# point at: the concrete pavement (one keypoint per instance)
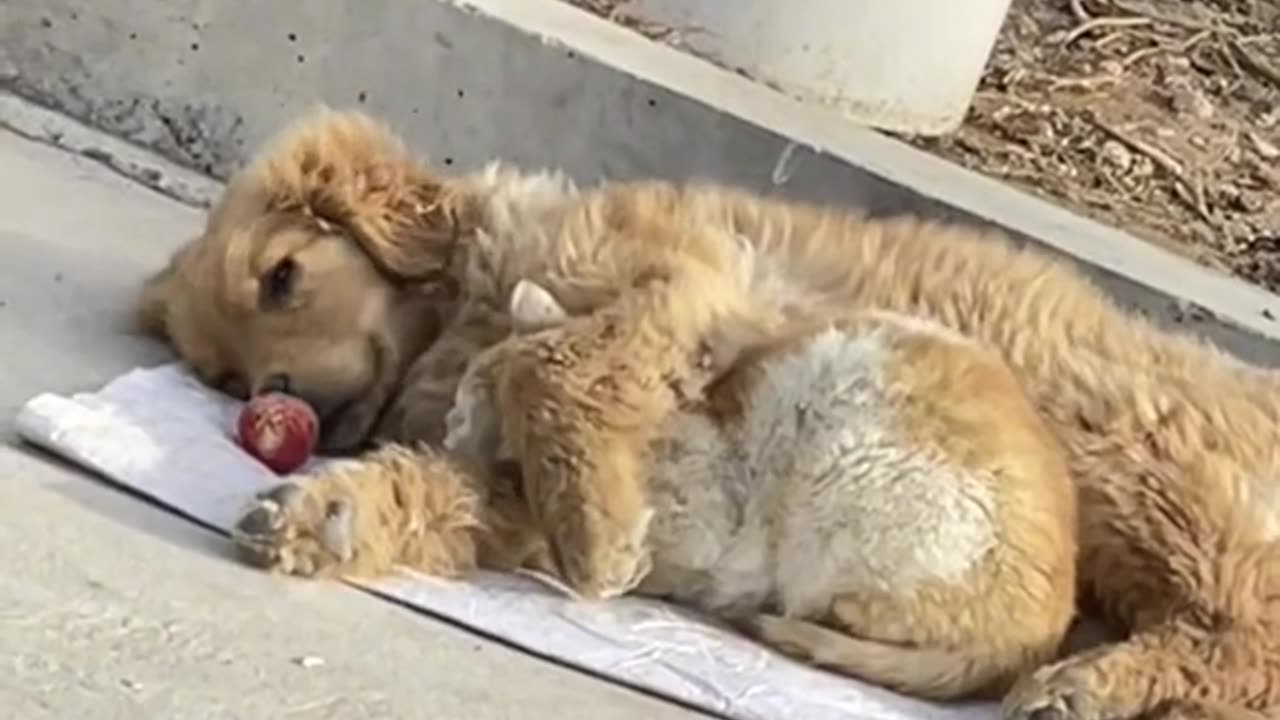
(113, 608)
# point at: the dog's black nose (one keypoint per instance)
(277, 383)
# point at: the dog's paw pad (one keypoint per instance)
(282, 530)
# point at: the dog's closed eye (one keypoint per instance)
(277, 283)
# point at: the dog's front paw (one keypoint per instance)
(290, 529)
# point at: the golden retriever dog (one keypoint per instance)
(870, 493)
(339, 267)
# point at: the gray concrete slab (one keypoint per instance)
(541, 82)
(113, 608)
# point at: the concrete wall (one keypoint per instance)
(540, 83)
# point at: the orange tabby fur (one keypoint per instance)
(871, 493)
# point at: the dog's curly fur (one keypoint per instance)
(339, 266)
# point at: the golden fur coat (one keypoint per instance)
(338, 267)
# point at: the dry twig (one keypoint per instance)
(1077, 9)
(1146, 10)
(1191, 191)
(1146, 52)
(1255, 64)
(1101, 22)
(1087, 82)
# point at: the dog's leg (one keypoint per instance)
(416, 414)
(1173, 671)
(393, 507)
(1192, 710)
(591, 401)
(1167, 553)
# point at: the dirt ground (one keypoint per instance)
(1161, 117)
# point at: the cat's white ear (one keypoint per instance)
(533, 308)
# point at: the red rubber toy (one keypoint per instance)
(279, 430)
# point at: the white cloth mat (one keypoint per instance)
(142, 429)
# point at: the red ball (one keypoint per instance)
(279, 430)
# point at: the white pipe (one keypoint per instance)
(901, 65)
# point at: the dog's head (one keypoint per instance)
(321, 271)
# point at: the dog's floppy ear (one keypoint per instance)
(346, 169)
(151, 306)
(533, 307)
